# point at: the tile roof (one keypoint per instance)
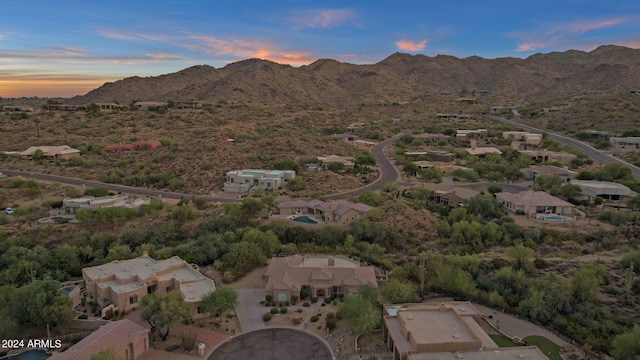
(116, 335)
(530, 197)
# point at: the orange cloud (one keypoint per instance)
(408, 45)
(321, 18)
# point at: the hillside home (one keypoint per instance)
(467, 100)
(523, 136)
(317, 276)
(535, 202)
(108, 106)
(124, 283)
(346, 161)
(625, 144)
(15, 108)
(453, 195)
(242, 181)
(148, 104)
(540, 156)
(481, 151)
(532, 171)
(63, 107)
(471, 134)
(71, 206)
(61, 152)
(344, 137)
(454, 116)
(614, 194)
(447, 331)
(340, 212)
(430, 138)
(125, 338)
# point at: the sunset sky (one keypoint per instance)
(67, 48)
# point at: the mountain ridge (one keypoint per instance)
(398, 77)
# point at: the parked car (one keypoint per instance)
(9, 211)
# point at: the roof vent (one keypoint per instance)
(456, 336)
(521, 356)
(459, 355)
(409, 318)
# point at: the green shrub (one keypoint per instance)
(314, 318)
(296, 321)
(331, 315)
(266, 317)
(269, 298)
(306, 304)
(83, 317)
(274, 310)
(283, 310)
(331, 324)
(519, 212)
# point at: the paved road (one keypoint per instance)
(116, 187)
(388, 172)
(594, 154)
(250, 311)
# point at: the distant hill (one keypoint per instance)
(400, 77)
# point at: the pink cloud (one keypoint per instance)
(408, 45)
(321, 18)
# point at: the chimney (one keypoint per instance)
(474, 142)
(145, 254)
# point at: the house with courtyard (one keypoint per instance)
(127, 202)
(533, 171)
(524, 137)
(471, 134)
(535, 202)
(59, 152)
(346, 161)
(451, 195)
(243, 181)
(482, 151)
(340, 212)
(125, 338)
(148, 104)
(613, 194)
(316, 275)
(430, 138)
(540, 156)
(121, 285)
(447, 331)
(445, 168)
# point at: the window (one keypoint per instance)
(151, 289)
(200, 310)
(133, 299)
(169, 288)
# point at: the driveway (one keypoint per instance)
(250, 311)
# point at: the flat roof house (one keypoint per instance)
(318, 276)
(535, 202)
(449, 330)
(244, 181)
(127, 339)
(430, 138)
(71, 206)
(523, 136)
(625, 144)
(550, 156)
(347, 161)
(124, 283)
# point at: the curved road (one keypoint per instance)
(388, 174)
(594, 154)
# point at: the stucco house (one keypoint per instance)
(60, 152)
(72, 205)
(613, 194)
(523, 136)
(127, 339)
(347, 161)
(334, 212)
(535, 202)
(243, 181)
(317, 276)
(121, 285)
(447, 331)
(533, 171)
(550, 156)
(625, 144)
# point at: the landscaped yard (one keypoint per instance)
(548, 347)
(503, 341)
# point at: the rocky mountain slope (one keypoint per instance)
(398, 78)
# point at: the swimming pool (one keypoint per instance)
(67, 290)
(30, 355)
(305, 220)
(554, 218)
